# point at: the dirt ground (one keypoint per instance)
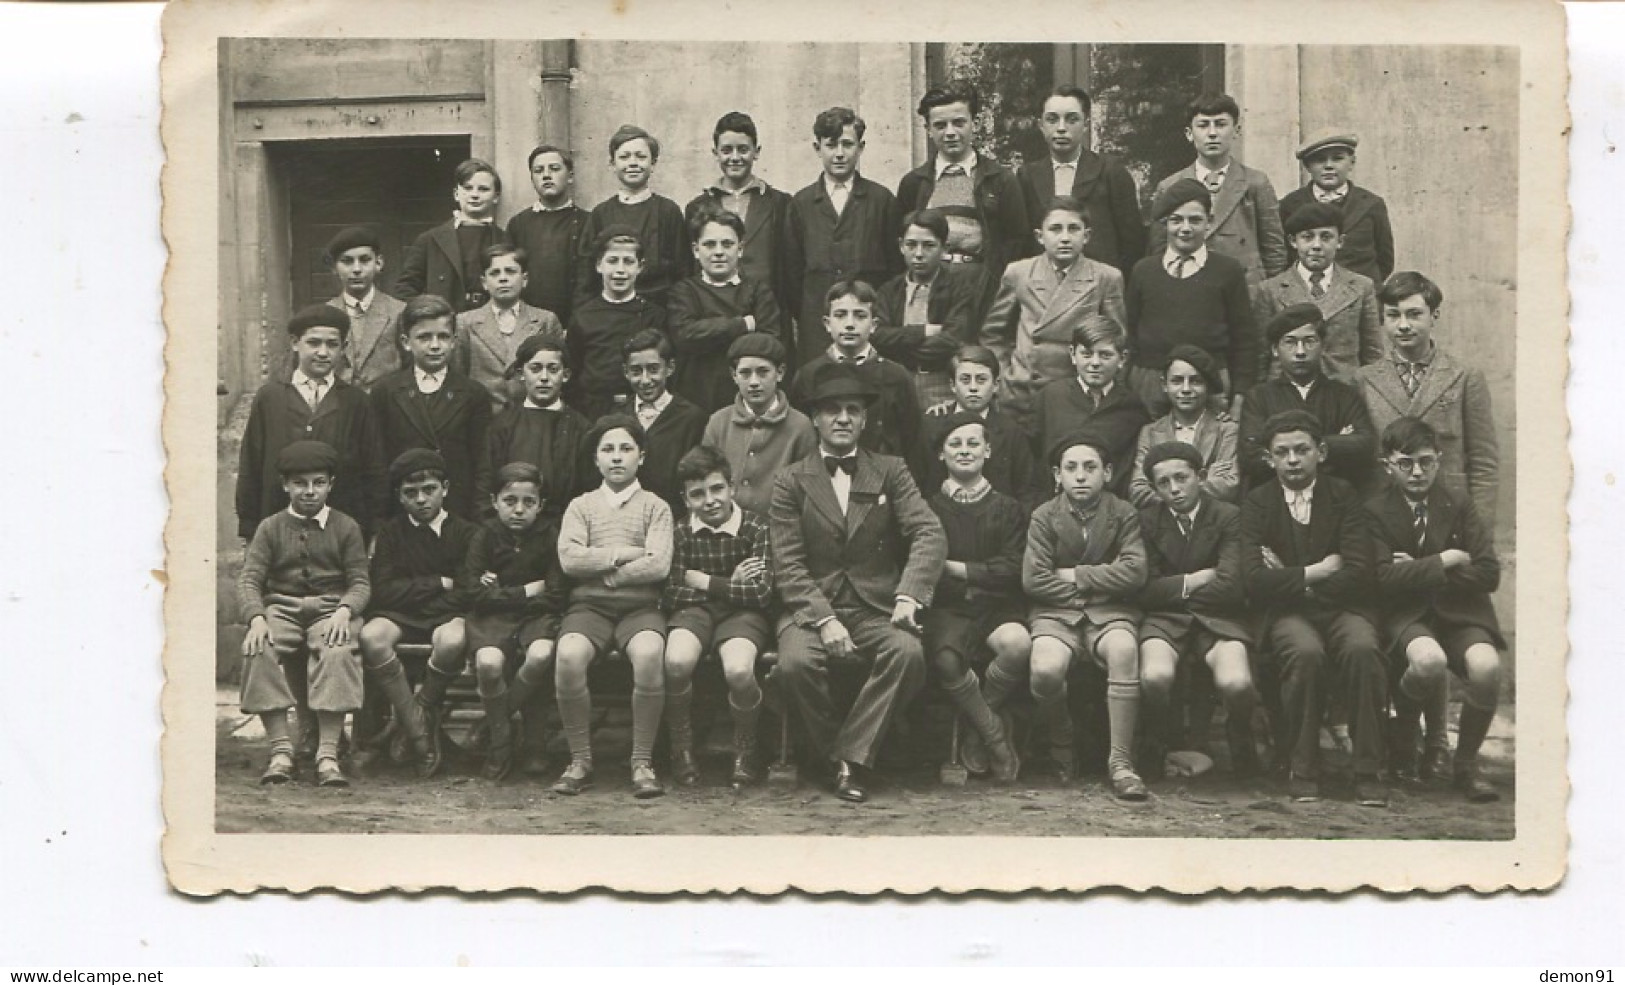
(902, 801)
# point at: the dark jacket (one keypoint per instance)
(280, 416)
(1421, 589)
(407, 564)
(454, 421)
(952, 305)
(1215, 542)
(1337, 525)
(1001, 206)
(435, 263)
(765, 249)
(860, 244)
(1117, 234)
(1368, 236)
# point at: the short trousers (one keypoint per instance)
(715, 624)
(604, 622)
(510, 632)
(1085, 636)
(1192, 638)
(413, 634)
(1454, 641)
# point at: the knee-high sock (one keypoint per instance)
(1436, 715)
(276, 729)
(1122, 714)
(494, 699)
(1474, 725)
(998, 685)
(745, 715)
(747, 695)
(1055, 716)
(391, 679)
(575, 716)
(966, 695)
(1154, 705)
(647, 704)
(679, 707)
(329, 725)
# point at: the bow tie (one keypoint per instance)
(849, 464)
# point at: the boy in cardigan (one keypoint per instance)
(1348, 300)
(550, 232)
(603, 323)
(1188, 294)
(1193, 602)
(1010, 465)
(1436, 568)
(764, 210)
(718, 596)
(925, 314)
(372, 349)
(849, 319)
(615, 544)
(671, 424)
(420, 593)
(655, 220)
(711, 309)
(1368, 236)
(488, 338)
(1084, 564)
(311, 406)
(303, 581)
(1095, 396)
(978, 602)
(1191, 380)
(514, 617)
(542, 429)
(761, 433)
(446, 260)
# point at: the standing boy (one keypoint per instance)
(446, 260)
(1246, 221)
(372, 349)
(1041, 302)
(488, 337)
(1102, 184)
(655, 221)
(1347, 300)
(711, 309)
(926, 313)
(542, 429)
(1306, 564)
(431, 404)
(550, 232)
(603, 323)
(302, 585)
(1095, 396)
(765, 210)
(673, 425)
(1010, 465)
(717, 598)
(760, 434)
(842, 228)
(1083, 566)
(1368, 237)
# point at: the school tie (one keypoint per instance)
(313, 392)
(1317, 284)
(1410, 376)
(849, 465)
(1214, 181)
(1420, 523)
(1185, 524)
(1299, 507)
(1177, 268)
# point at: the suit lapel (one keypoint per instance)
(1099, 535)
(1339, 295)
(446, 238)
(375, 322)
(1090, 167)
(1383, 379)
(1230, 194)
(1441, 377)
(820, 491)
(755, 219)
(482, 331)
(1069, 292)
(1207, 438)
(1355, 205)
(406, 397)
(867, 483)
(1203, 535)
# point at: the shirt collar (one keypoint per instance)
(1104, 391)
(969, 164)
(1073, 164)
(730, 526)
(320, 517)
(755, 184)
(1307, 492)
(435, 524)
(1422, 363)
(1305, 389)
(733, 281)
(537, 206)
(867, 354)
(908, 278)
(1199, 257)
(557, 404)
(973, 493)
(960, 408)
(830, 184)
(1326, 275)
(1322, 195)
(438, 376)
(364, 302)
(1202, 171)
(659, 405)
(619, 499)
(300, 380)
(1191, 516)
(460, 218)
(636, 197)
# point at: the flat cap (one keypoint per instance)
(1323, 139)
(307, 456)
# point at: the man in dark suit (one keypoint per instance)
(1306, 564)
(446, 260)
(1117, 233)
(858, 554)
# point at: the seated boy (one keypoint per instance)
(760, 433)
(1095, 395)
(542, 429)
(1295, 336)
(925, 314)
(1010, 465)
(311, 406)
(1368, 237)
(1193, 601)
(1083, 565)
(604, 321)
(1040, 303)
(717, 598)
(616, 546)
(488, 337)
(1190, 380)
(655, 220)
(671, 424)
(978, 603)
(550, 232)
(372, 349)
(513, 619)
(1436, 568)
(446, 261)
(1188, 294)
(420, 593)
(711, 309)
(431, 404)
(894, 417)
(764, 209)
(1306, 565)
(303, 581)
(1347, 300)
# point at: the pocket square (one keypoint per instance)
(882, 500)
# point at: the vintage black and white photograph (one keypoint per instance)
(869, 445)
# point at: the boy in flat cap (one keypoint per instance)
(1296, 336)
(372, 351)
(1368, 237)
(760, 433)
(1347, 300)
(302, 585)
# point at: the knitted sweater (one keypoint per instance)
(408, 562)
(597, 330)
(758, 448)
(518, 559)
(594, 526)
(298, 558)
(989, 536)
(659, 224)
(1211, 309)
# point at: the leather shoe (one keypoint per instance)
(1370, 791)
(1472, 783)
(431, 753)
(847, 785)
(1127, 785)
(328, 773)
(576, 778)
(973, 752)
(278, 771)
(683, 767)
(645, 784)
(1435, 763)
(1006, 762)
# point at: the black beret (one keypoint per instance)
(1200, 360)
(948, 425)
(307, 456)
(1296, 316)
(411, 462)
(1169, 451)
(1177, 194)
(321, 315)
(1315, 215)
(1085, 436)
(761, 345)
(352, 238)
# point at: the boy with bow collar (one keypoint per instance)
(488, 338)
(1347, 300)
(1368, 236)
(445, 261)
(760, 434)
(858, 554)
(372, 349)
